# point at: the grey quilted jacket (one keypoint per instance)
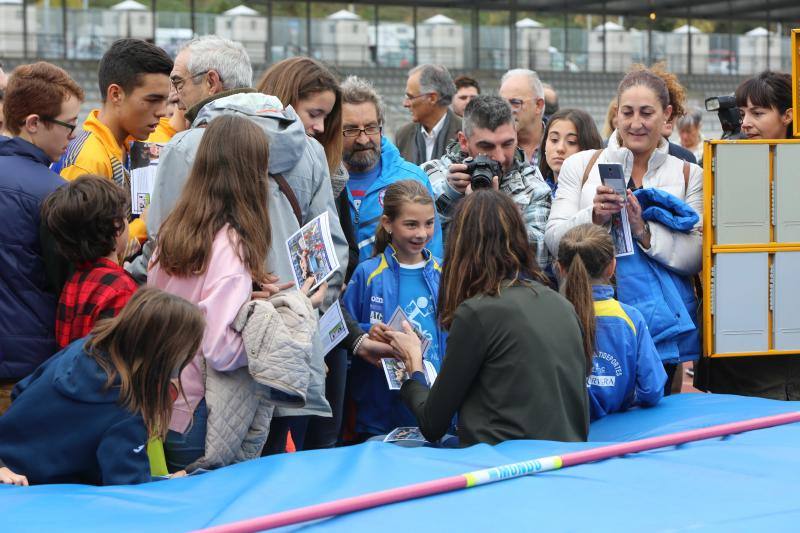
(278, 338)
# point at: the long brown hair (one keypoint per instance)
(487, 250)
(398, 194)
(297, 78)
(227, 185)
(146, 345)
(584, 254)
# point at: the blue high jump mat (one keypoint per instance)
(745, 482)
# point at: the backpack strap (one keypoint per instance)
(589, 167)
(686, 170)
(287, 191)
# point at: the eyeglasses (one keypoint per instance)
(70, 127)
(516, 103)
(411, 98)
(178, 82)
(355, 132)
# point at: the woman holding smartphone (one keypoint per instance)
(637, 144)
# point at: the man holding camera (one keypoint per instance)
(486, 155)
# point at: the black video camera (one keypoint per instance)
(728, 113)
(482, 169)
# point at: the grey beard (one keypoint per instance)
(362, 160)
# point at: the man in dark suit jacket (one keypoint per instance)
(429, 92)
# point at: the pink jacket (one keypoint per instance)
(220, 292)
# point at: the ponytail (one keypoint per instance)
(395, 196)
(584, 253)
(577, 288)
(382, 240)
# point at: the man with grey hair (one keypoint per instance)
(488, 129)
(429, 92)
(524, 91)
(373, 163)
(213, 77)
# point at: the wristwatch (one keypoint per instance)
(645, 229)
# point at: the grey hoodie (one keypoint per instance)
(301, 160)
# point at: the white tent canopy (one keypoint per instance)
(344, 14)
(610, 26)
(528, 23)
(129, 5)
(439, 19)
(686, 29)
(241, 10)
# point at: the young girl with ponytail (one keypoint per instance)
(626, 368)
(403, 273)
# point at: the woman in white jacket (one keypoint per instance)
(637, 144)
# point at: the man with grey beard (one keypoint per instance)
(373, 163)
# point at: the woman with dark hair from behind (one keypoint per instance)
(515, 366)
(568, 131)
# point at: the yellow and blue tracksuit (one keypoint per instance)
(626, 369)
(372, 296)
(95, 151)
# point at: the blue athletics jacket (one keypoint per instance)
(64, 426)
(666, 299)
(27, 305)
(365, 219)
(626, 369)
(372, 297)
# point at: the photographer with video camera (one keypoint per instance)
(486, 156)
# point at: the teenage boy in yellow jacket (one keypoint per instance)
(134, 87)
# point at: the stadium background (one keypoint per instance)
(578, 46)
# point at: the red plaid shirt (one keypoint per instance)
(96, 290)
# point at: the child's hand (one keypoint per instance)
(378, 333)
(373, 351)
(318, 296)
(7, 477)
(179, 473)
(270, 287)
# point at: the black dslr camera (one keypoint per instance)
(728, 113)
(482, 169)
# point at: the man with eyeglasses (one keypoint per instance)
(373, 163)
(523, 90)
(429, 93)
(41, 107)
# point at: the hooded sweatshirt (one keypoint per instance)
(82, 435)
(299, 159)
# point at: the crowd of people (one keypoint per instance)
(142, 347)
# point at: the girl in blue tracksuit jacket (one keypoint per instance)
(86, 414)
(626, 369)
(402, 274)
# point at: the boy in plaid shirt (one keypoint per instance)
(88, 220)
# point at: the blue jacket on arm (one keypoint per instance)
(626, 369)
(65, 427)
(27, 309)
(365, 219)
(665, 298)
(372, 297)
